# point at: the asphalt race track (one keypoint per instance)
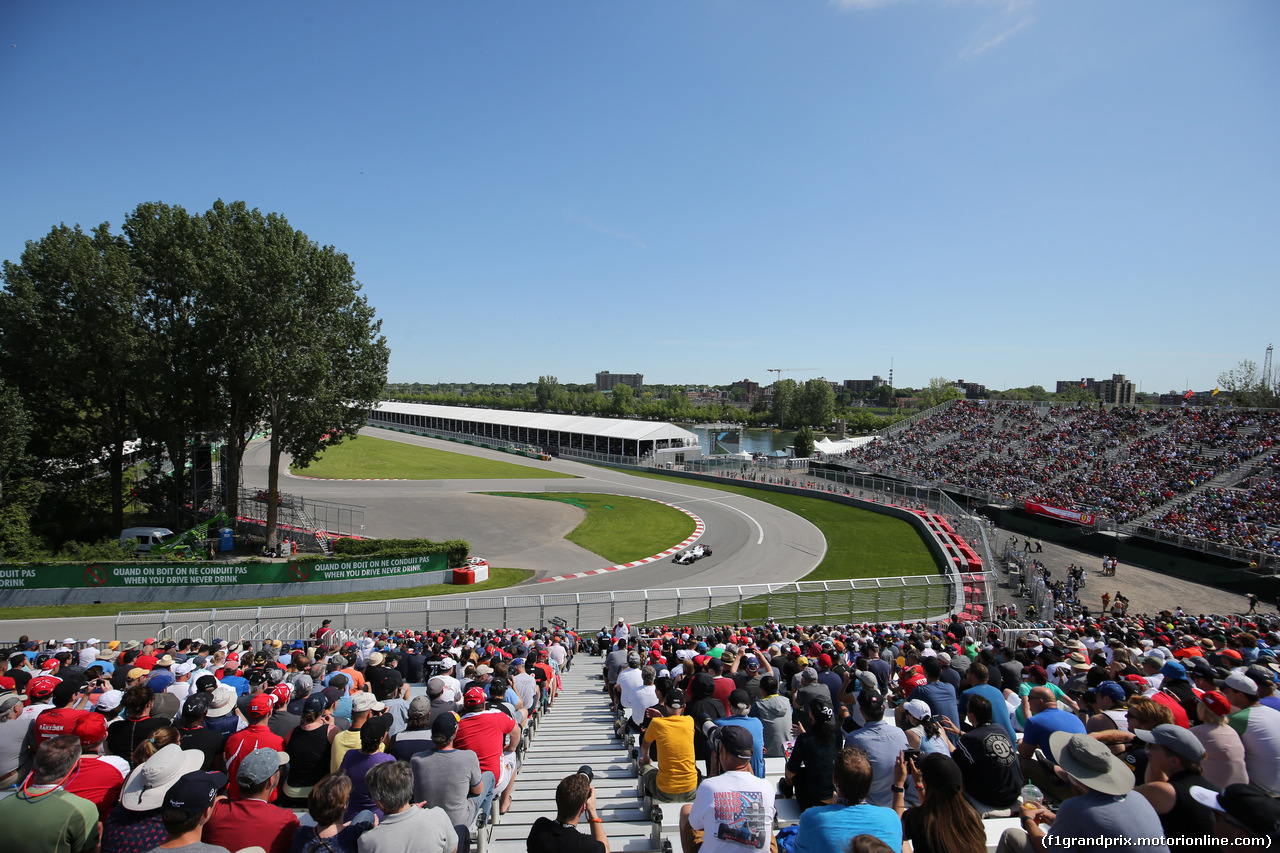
(754, 542)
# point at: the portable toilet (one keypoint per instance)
(226, 539)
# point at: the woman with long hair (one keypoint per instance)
(813, 758)
(159, 739)
(944, 822)
(327, 805)
(924, 731)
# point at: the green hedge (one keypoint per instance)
(457, 550)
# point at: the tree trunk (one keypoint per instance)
(273, 481)
(115, 468)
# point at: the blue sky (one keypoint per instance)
(1006, 192)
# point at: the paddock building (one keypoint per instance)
(574, 435)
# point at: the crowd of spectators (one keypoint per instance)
(1139, 727)
(1119, 462)
(1244, 517)
(145, 745)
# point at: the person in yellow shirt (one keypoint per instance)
(675, 779)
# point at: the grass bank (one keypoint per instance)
(618, 528)
(368, 458)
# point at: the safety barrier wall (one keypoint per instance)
(898, 599)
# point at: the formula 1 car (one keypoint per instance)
(697, 552)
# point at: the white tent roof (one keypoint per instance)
(827, 447)
(606, 427)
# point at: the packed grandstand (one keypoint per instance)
(1204, 473)
(1148, 730)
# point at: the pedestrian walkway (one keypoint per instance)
(577, 731)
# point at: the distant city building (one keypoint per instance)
(972, 390)
(752, 389)
(1197, 398)
(1116, 390)
(861, 385)
(605, 381)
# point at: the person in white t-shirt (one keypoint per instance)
(734, 811)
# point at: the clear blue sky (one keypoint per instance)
(1006, 192)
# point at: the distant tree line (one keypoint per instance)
(183, 327)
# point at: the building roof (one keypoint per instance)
(605, 427)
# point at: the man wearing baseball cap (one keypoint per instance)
(188, 805)
(734, 808)
(483, 731)
(254, 736)
(249, 819)
(739, 711)
(1174, 758)
(1259, 730)
(670, 731)
(98, 778)
(451, 779)
(363, 707)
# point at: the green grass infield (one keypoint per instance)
(368, 458)
(620, 529)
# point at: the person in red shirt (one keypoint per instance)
(98, 778)
(253, 737)
(68, 708)
(248, 819)
(484, 731)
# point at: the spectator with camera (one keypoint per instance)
(575, 800)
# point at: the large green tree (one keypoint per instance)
(940, 391)
(817, 403)
(70, 341)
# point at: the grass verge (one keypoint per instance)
(366, 457)
(618, 528)
(498, 578)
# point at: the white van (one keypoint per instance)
(146, 536)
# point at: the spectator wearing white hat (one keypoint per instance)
(89, 654)
(1259, 730)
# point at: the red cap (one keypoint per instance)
(282, 693)
(1137, 679)
(824, 659)
(1230, 653)
(91, 729)
(1216, 702)
(260, 705)
(7, 683)
(474, 696)
(41, 687)
(50, 664)
(150, 641)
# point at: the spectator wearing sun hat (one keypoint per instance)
(252, 737)
(1104, 803)
(1244, 814)
(136, 824)
(248, 819)
(1223, 760)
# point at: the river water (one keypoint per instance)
(751, 440)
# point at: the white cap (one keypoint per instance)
(92, 641)
(68, 641)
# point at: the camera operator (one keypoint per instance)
(574, 798)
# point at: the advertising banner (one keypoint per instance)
(88, 576)
(1085, 518)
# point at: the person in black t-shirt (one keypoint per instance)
(194, 734)
(574, 798)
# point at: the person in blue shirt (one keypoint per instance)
(937, 694)
(740, 715)
(827, 828)
(1046, 720)
(975, 681)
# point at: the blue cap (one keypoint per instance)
(1174, 670)
(702, 647)
(1110, 689)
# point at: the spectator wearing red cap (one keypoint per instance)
(1223, 750)
(68, 707)
(254, 736)
(484, 731)
(39, 691)
(98, 778)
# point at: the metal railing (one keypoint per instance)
(895, 599)
(1264, 562)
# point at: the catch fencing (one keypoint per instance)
(895, 599)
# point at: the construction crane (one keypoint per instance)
(782, 420)
(782, 370)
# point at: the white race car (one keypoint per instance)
(697, 552)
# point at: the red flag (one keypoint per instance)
(1188, 394)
